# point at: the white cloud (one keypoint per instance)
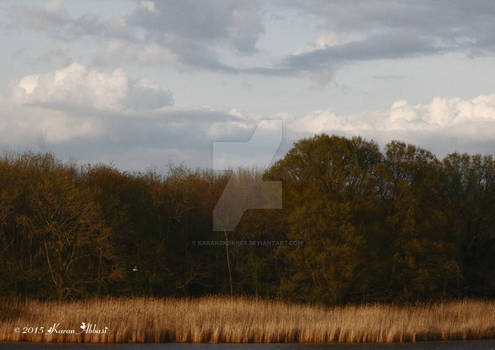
(442, 113)
(403, 115)
(75, 112)
(84, 114)
(329, 39)
(24, 127)
(148, 5)
(319, 121)
(54, 6)
(79, 87)
(441, 125)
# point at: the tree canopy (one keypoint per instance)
(358, 224)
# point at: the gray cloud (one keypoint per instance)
(131, 141)
(387, 30)
(322, 63)
(54, 19)
(136, 138)
(395, 29)
(106, 116)
(444, 19)
(231, 22)
(99, 113)
(193, 32)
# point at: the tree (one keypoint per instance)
(73, 239)
(317, 174)
(424, 260)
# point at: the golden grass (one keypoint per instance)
(243, 320)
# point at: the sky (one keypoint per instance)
(145, 84)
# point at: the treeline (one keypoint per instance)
(397, 225)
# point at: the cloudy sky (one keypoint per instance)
(142, 84)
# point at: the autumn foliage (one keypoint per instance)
(396, 224)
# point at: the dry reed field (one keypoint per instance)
(242, 320)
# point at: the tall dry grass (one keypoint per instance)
(242, 320)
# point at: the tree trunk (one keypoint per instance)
(228, 261)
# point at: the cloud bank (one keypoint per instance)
(88, 100)
(444, 125)
(196, 35)
(107, 116)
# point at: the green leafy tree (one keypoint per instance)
(317, 174)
